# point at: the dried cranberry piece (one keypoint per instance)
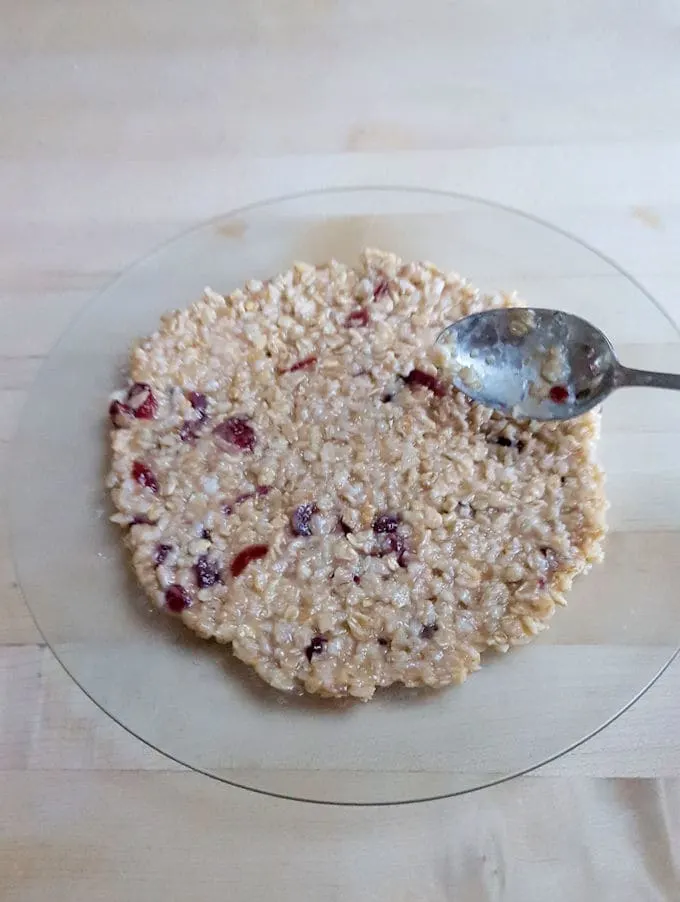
(199, 402)
(142, 401)
(238, 432)
(316, 647)
(144, 476)
(559, 394)
(357, 318)
(390, 540)
(382, 641)
(397, 545)
(304, 364)
(301, 519)
(147, 410)
(357, 579)
(428, 630)
(206, 534)
(386, 523)
(141, 521)
(506, 442)
(121, 414)
(161, 554)
(392, 543)
(420, 379)
(177, 599)
(207, 572)
(380, 289)
(189, 430)
(260, 492)
(246, 556)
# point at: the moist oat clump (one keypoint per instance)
(296, 477)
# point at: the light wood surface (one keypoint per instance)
(122, 124)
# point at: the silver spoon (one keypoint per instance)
(539, 364)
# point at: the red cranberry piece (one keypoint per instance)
(357, 318)
(392, 543)
(357, 579)
(144, 476)
(260, 492)
(247, 556)
(506, 442)
(199, 402)
(315, 647)
(161, 554)
(301, 365)
(188, 431)
(121, 414)
(382, 641)
(381, 288)
(237, 432)
(542, 583)
(397, 545)
(206, 534)
(207, 572)
(386, 523)
(177, 599)
(142, 401)
(301, 519)
(559, 394)
(428, 630)
(141, 521)
(419, 379)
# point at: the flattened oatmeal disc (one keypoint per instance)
(296, 477)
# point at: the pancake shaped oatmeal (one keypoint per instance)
(296, 476)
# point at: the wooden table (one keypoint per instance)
(122, 124)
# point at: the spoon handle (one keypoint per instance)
(647, 378)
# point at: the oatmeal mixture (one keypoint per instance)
(296, 476)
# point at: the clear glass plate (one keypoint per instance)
(190, 699)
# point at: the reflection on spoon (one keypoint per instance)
(536, 363)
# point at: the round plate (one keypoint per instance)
(189, 698)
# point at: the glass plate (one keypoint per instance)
(190, 699)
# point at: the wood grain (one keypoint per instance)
(123, 125)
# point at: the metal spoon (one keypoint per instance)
(539, 364)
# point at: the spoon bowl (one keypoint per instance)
(537, 363)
